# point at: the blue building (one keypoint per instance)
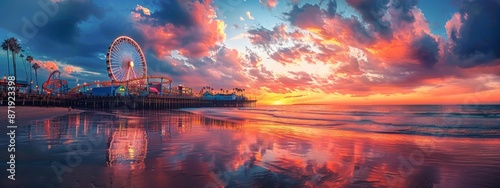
(208, 95)
(232, 96)
(110, 91)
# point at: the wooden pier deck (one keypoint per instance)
(130, 102)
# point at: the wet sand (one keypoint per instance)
(259, 148)
(27, 114)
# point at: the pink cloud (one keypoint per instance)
(360, 61)
(295, 55)
(195, 40)
(379, 65)
(453, 25)
(269, 3)
(224, 68)
(47, 65)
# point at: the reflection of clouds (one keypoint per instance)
(426, 176)
(317, 159)
(179, 149)
(250, 155)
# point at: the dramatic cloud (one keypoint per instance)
(64, 26)
(296, 54)
(425, 50)
(373, 13)
(292, 51)
(189, 27)
(473, 32)
(142, 9)
(264, 37)
(223, 69)
(395, 57)
(404, 9)
(308, 16)
(69, 69)
(47, 65)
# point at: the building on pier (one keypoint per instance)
(231, 96)
(110, 91)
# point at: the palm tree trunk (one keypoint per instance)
(31, 78)
(8, 63)
(38, 87)
(31, 73)
(14, 65)
(25, 70)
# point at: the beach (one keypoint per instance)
(273, 146)
(27, 114)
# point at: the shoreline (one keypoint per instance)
(26, 114)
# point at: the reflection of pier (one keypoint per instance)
(127, 146)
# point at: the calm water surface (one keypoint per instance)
(273, 146)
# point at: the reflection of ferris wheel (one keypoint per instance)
(125, 60)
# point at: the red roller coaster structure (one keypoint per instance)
(162, 80)
(55, 84)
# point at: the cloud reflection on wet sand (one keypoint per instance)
(179, 149)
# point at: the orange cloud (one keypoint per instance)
(69, 69)
(47, 65)
(142, 9)
(320, 57)
(203, 34)
(269, 3)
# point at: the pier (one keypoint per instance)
(129, 87)
(124, 102)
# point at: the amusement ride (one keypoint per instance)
(126, 65)
(55, 84)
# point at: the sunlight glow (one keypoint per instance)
(277, 103)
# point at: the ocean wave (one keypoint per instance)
(454, 121)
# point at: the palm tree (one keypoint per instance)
(24, 65)
(30, 59)
(36, 67)
(5, 46)
(15, 48)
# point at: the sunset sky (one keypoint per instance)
(282, 52)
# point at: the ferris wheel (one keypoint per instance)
(125, 60)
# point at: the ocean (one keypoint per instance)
(267, 146)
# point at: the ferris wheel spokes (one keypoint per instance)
(125, 60)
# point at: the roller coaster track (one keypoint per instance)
(54, 83)
(109, 83)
